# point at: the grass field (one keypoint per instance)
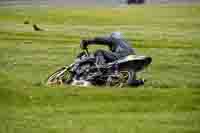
(168, 102)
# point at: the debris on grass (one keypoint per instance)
(37, 28)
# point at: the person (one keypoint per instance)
(118, 48)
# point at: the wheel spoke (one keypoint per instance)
(118, 81)
(57, 78)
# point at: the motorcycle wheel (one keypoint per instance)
(59, 77)
(122, 79)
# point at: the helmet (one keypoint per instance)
(116, 35)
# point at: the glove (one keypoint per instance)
(84, 44)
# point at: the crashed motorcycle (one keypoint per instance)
(84, 71)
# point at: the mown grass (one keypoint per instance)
(168, 102)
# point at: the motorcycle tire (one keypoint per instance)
(61, 76)
(123, 79)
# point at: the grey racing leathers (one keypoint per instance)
(118, 49)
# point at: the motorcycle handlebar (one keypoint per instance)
(87, 52)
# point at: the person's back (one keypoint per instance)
(119, 48)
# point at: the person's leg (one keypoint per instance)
(103, 56)
(110, 56)
(100, 60)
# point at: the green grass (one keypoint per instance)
(168, 102)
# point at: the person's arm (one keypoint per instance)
(97, 41)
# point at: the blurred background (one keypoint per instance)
(91, 2)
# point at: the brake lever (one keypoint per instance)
(87, 52)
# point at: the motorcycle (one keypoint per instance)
(84, 71)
